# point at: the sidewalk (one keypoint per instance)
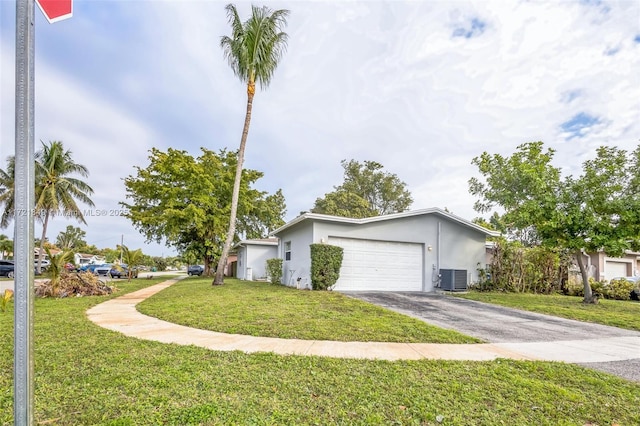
(120, 315)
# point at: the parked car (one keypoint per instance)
(90, 268)
(103, 269)
(123, 272)
(634, 294)
(195, 270)
(633, 280)
(7, 268)
(44, 266)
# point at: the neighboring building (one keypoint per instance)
(603, 267)
(82, 259)
(252, 256)
(410, 251)
(231, 266)
(53, 251)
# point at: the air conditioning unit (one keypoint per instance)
(453, 279)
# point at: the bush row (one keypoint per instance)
(615, 289)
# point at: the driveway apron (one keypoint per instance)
(519, 330)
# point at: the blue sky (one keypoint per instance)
(421, 87)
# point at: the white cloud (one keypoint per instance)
(384, 81)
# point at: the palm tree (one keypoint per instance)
(57, 267)
(7, 191)
(253, 52)
(56, 191)
(132, 258)
(6, 246)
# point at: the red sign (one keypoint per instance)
(56, 10)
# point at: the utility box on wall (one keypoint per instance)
(453, 279)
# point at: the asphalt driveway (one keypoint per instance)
(497, 324)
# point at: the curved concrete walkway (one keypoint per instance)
(120, 315)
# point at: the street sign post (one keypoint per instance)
(56, 10)
(24, 188)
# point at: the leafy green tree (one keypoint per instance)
(71, 238)
(185, 201)
(56, 188)
(366, 191)
(160, 263)
(253, 52)
(110, 255)
(597, 210)
(6, 246)
(343, 203)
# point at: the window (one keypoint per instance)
(287, 250)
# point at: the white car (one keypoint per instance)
(103, 269)
(45, 264)
(633, 280)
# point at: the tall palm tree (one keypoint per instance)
(56, 191)
(253, 52)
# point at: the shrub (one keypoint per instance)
(516, 268)
(4, 300)
(597, 287)
(619, 290)
(326, 261)
(574, 287)
(274, 270)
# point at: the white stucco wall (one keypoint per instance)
(255, 256)
(301, 237)
(447, 244)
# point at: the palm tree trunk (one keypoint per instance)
(44, 234)
(219, 279)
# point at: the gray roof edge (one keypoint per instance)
(257, 242)
(339, 219)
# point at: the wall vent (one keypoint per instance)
(453, 279)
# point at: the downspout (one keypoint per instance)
(435, 275)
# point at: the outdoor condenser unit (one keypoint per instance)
(453, 279)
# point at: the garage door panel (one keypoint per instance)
(379, 265)
(615, 269)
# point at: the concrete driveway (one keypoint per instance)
(524, 331)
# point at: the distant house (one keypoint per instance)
(252, 257)
(418, 250)
(36, 253)
(82, 259)
(603, 267)
(231, 266)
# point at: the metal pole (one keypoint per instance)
(24, 187)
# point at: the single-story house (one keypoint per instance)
(81, 259)
(418, 250)
(252, 257)
(603, 267)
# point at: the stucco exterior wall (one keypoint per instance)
(253, 257)
(300, 237)
(447, 244)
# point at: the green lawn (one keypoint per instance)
(87, 375)
(262, 309)
(617, 313)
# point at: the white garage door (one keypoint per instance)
(615, 269)
(379, 265)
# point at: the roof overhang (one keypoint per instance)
(348, 220)
(257, 242)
